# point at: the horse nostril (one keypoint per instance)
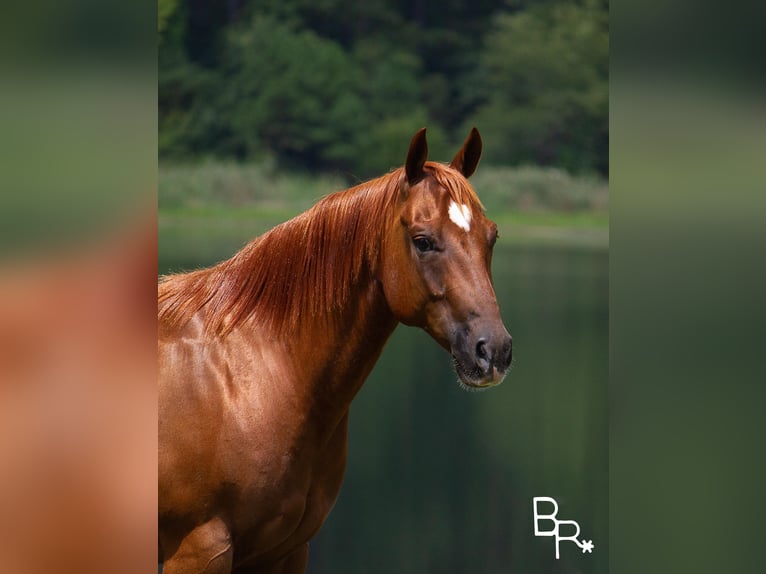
(483, 359)
(508, 352)
(481, 350)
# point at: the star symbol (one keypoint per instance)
(587, 546)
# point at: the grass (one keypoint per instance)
(534, 189)
(215, 207)
(231, 185)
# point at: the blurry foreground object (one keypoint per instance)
(78, 409)
(77, 282)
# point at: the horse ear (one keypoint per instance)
(467, 158)
(416, 156)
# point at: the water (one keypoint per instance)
(442, 480)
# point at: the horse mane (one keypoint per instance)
(305, 267)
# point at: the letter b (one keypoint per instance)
(551, 517)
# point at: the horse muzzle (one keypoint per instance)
(481, 359)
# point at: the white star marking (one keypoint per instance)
(460, 215)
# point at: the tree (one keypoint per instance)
(545, 74)
(290, 92)
(339, 84)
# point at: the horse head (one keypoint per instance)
(436, 259)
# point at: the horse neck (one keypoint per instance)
(339, 333)
(338, 352)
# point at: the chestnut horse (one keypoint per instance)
(261, 355)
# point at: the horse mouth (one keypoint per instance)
(473, 378)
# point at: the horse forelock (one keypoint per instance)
(305, 267)
(458, 188)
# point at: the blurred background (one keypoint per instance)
(264, 107)
(339, 84)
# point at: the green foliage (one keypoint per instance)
(290, 92)
(216, 184)
(164, 10)
(530, 188)
(219, 184)
(386, 144)
(546, 82)
(341, 85)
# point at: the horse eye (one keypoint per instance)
(423, 244)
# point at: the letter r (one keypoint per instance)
(573, 538)
(551, 517)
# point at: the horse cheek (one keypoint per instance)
(401, 295)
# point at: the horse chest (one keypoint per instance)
(296, 500)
